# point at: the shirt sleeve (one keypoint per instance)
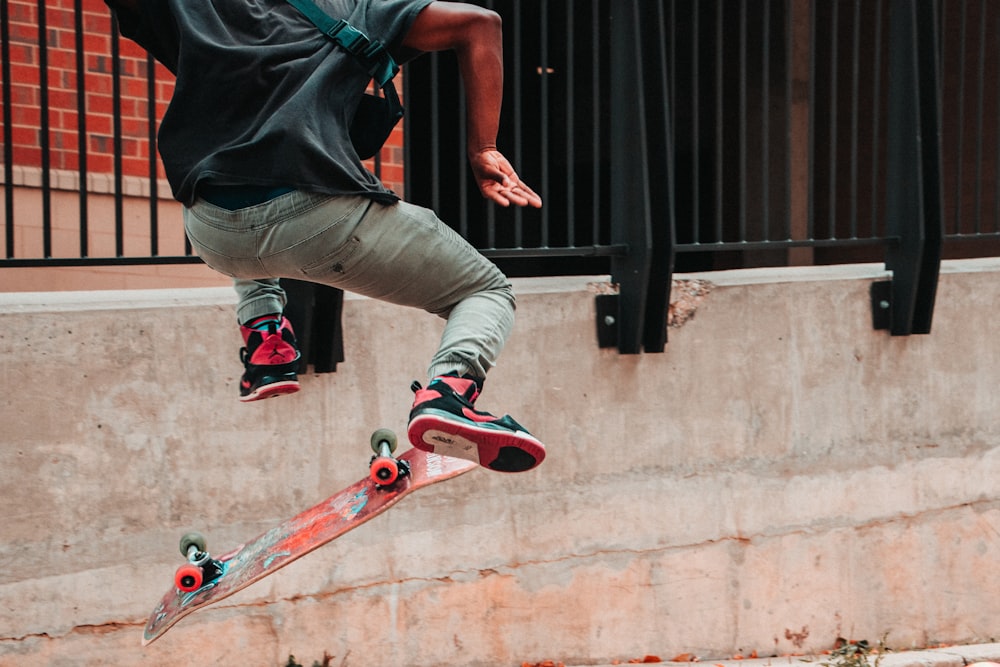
(391, 20)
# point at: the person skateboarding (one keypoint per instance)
(257, 145)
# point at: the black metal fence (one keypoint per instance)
(666, 134)
(721, 134)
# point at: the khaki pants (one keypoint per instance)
(398, 253)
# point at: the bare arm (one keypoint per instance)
(475, 35)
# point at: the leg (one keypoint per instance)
(405, 255)
(426, 264)
(258, 298)
(476, 331)
(226, 240)
(397, 253)
(270, 354)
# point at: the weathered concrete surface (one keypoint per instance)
(781, 476)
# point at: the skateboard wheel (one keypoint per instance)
(386, 437)
(384, 470)
(188, 578)
(196, 540)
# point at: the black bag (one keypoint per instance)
(373, 122)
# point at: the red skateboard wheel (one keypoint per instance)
(384, 470)
(188, 578)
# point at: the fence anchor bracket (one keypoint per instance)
(606, 307)
(881, 298)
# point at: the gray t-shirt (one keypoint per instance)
(262, 97)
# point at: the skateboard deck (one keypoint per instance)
(311, 529)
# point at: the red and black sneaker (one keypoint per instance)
(443, 420)
(271, 359)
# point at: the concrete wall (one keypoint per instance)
(781, 476)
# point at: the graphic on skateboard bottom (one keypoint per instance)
(204, 579)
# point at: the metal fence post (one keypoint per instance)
(630, 215)
(914, 190)
(640, 183)
(659, 168)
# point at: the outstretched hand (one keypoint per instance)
(498, 181)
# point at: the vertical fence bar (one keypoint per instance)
(831, 221)
(544, 115)
(44, 138)
(491, 211)
(765, 114)
(742, 124)
(811, 132)
(876, 119)
(996, 120)
(719, 119)
(154, 218)
(116, 98)
(669, 37)
(787, 135)
(945, 44)
(436, 133)
(518, 114)
(980, 95)
(695, 125)
(855, 94)
(81, 132)
(596, 95)
(570, 129)
(461, 157)
(960, 157)
(8, 133)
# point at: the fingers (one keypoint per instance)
(511, 191)
(500, 183)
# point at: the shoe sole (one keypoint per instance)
(271, 391)
(490, 446)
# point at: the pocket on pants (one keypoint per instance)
(321, 245)
(336, 262)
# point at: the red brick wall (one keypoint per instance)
(64, 81)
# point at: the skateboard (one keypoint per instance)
(204, 579)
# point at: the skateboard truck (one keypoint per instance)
(384, 469)
(200, 568)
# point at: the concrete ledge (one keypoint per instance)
(117, 299)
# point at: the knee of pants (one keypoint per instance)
(500, 299)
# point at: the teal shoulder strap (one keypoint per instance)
(379, 64)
